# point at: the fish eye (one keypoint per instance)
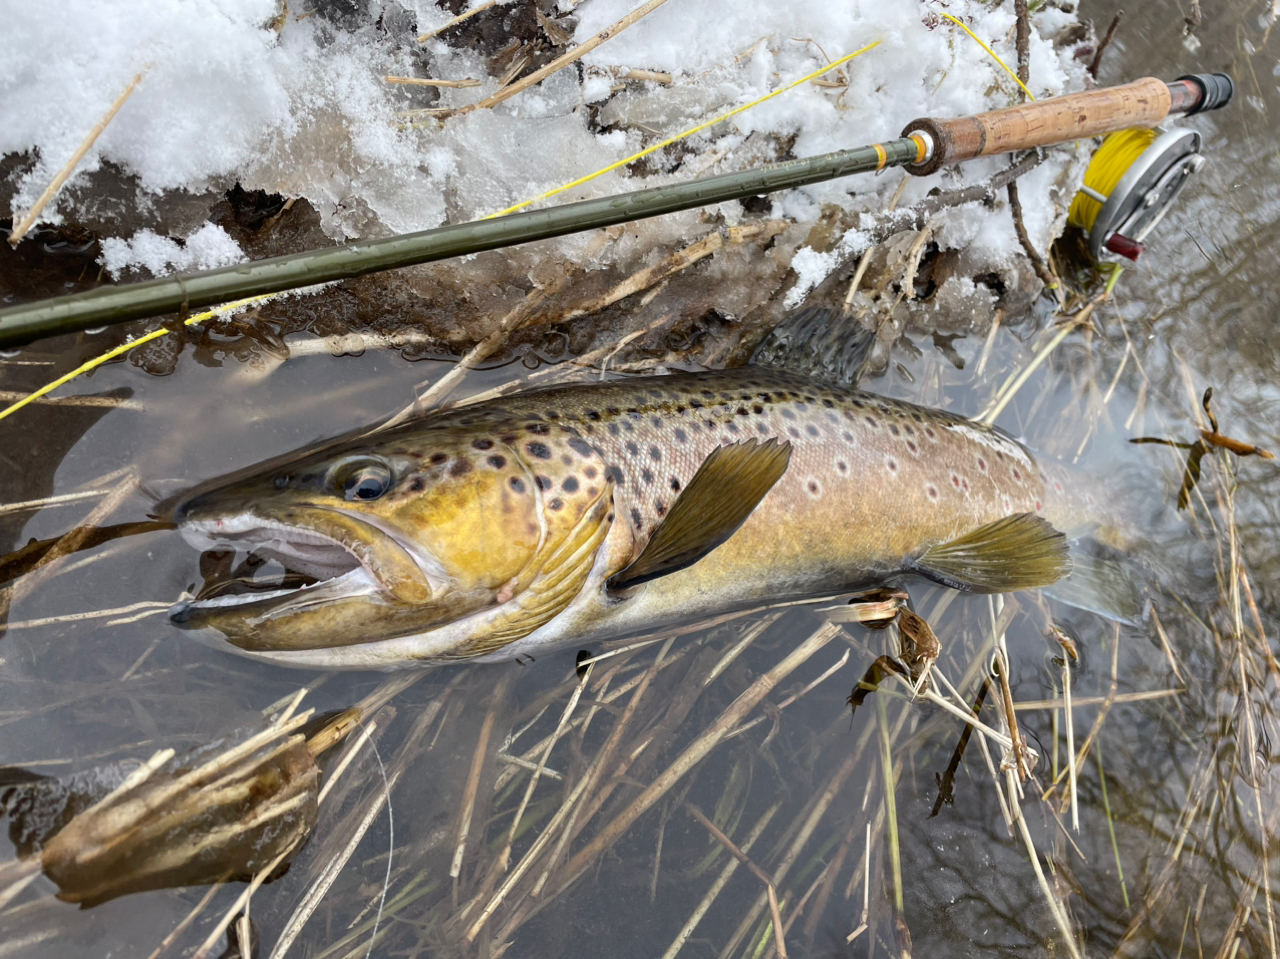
(362, 480)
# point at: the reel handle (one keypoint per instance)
(1142, 103)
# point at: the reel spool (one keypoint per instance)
(1130, 185)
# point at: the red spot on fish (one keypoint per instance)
(1038, 506)
(982, 464)
(1057, 486)
(1017, 475)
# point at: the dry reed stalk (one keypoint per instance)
(681, 259)
(186, 922)
(427, 82)
(505, 856)
(697, 750)
(1051, 897)
(564, 60)
(29, 220)
(473, 780)
(92, 402)
(817, 810)
(478, 8)
(48, 565)
(742, 857)
(718, 885)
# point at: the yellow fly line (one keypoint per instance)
(991, 53)
(228, 308)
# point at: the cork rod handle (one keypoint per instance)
(1142, 103)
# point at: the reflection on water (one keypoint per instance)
(1173, 723)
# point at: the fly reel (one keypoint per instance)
(1136, 175)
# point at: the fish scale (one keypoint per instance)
(517, 512)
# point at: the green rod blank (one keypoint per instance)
(109, 305)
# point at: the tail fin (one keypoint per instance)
(1100, 586)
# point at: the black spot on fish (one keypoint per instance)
(932, 491)
(417, 485)
(438, 458)
(482, 444)
(628, 428)
(795, 433)
(813, 486)
(615, 474)
(581, 447)
(811, 430)
(655, 454)
(566, 459)
(539, 429)
(908, 430)
(552, 415)
(613, 411)
(517, 484)
(632, 448)
(828, 404)
(842, 466)
(912, 446)
(757, 409)
(570, 485)
(680, 435)
(675, 485)
(593, 415)
(847, 436)
(741, 411)
(497, 462)
(543, 482)
(917, 417)
(635, 518)
(613, 429)
(928, 431)
(695, 404)
(657, 422)
(556, 504)
(646, 474)
(894, 430)
(539, 450)
(873, 422)
(788, 414)
(762, 429)
(590, 472)
(660, 508)
(891, 463)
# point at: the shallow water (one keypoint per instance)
(1170, 798)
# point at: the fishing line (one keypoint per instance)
(1119, 151)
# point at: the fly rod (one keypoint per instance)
(926, 145)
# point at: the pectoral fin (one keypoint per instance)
(727, 487)
(1018, 552)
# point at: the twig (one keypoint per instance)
(1037, 264)
(28, 221)
(1106, 41)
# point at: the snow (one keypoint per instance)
(207, 248)
(303, 110)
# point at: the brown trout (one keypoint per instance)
(575, 513)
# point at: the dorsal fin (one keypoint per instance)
(1022, 551)
(820, 343)
(719, 498)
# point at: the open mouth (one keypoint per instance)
(247, 560)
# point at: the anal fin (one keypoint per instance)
(722, 494)
(1023, 551)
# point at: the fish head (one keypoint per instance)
(391, 534)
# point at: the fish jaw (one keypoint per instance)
(366, 576)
